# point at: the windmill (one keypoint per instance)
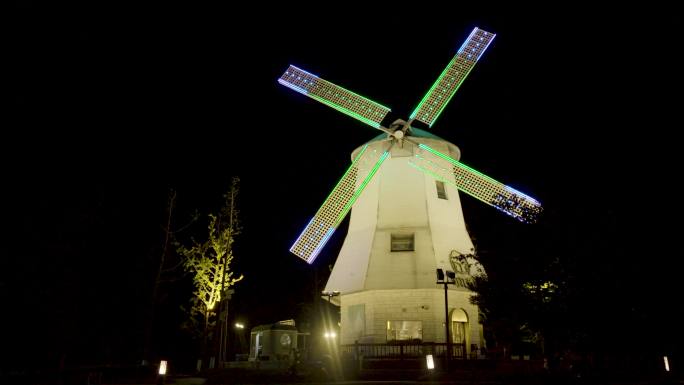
(409, 221)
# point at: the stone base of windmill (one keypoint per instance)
(409, 322)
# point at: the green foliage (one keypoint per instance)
(209, 263)
(523, 308)
(542, 292)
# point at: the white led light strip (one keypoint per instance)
(475, 184)
(338, 204)
(334, 96)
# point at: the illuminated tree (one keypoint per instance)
(209, 264)
(527, 311)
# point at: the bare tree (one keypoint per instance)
(167, 270)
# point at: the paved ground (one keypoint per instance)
(313, 374)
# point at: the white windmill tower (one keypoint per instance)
(408, 222)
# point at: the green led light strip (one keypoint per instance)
(479, 186)
(458, 69)
(354, 162)
(346, 111)
(457, 163)
(330, 94)
(362, 187)
(489, 179)
(451, 182)
(307, 244)
(419, 110)
(336, 205)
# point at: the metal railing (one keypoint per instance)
(400, 351)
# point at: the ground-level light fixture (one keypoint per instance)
(239, 325)
(162, 367)
(430, 362)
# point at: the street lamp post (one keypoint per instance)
(330, 294)
(446, 278)
(239, 339)
(331, 339)
(223, 323)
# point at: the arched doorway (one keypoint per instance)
(459, 330)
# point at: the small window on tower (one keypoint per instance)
(402, 242)
(441, 191)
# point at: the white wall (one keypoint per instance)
(426, 305)
(401, 285)
(400, 198)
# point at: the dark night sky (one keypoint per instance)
(112, 106)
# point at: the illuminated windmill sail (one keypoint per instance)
(432, 162)
(452, 77)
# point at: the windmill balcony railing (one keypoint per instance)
(403, 350)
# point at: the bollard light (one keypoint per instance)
(430, 362)
(667, 364)
(162, 368)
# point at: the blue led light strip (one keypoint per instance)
(441, 92)
(334, 96)
(476, 184)
(337, 204)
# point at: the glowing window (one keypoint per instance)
(404, 331)
(403, 242)
(441, 191)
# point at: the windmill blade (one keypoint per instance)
(337, 205)
(334, 96)
(476, 184)
(452, 77)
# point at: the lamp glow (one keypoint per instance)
(330, 335)
(667, 364)
(162, 368)
(430, 362)
(239, 325)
